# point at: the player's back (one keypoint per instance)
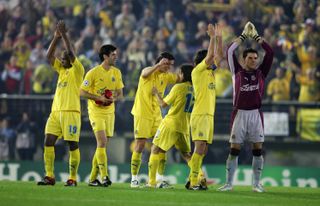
(181, 100)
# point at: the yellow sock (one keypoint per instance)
(95, 168)
(48, 157)
(153, 167)
(74, 161)
(162, 163)
(200, 175)
(195, 163)
(135, 163)
(102, 161)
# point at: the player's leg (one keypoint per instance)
(196, 161)
(163, 140)
(231, 167)
(71, 124)
(136, 160)
(109, 123)
(93, 180)
(202, 135)
(52, 132)
(257, 166)
(238, 133)
(256, 136)
(49, 156)
(143, 129)
(74, 161)
(153, 165)
(101, 154)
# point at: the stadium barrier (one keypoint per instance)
(175, 174)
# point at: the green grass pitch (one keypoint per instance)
(28, 193)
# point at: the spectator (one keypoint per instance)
(8, 135)
(12, 76)
(26, 134)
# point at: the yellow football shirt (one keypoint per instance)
(279, 89)
(67, 94)
(96, 81)
(145, 103)
(223, 79)
(181, 102)
(204, 89)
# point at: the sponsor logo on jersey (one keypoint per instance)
(211, 86)
(248, 87)
(113, 79)
(62, 84)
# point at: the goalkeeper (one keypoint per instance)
(247, 119)
(96, 87)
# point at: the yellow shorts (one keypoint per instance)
(202, 127)
(102, 122)
(145, 128)
(65, 125)
(165, 138)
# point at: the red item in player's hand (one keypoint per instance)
(108, 95)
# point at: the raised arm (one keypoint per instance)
(63, 31)
(218, 53)
(52, 47)
(265, 66)
(231, 57)
(210, 54)
(146, 72)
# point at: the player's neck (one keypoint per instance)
(105, 65)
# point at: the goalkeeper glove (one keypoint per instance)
(245, 32)
(253, 33)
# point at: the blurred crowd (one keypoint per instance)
(141, 29)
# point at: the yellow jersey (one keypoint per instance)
(67, 94)
(96, 81)
(203, 81)
(181, 101)
(279, 89)
(145, 103)
(223, 81)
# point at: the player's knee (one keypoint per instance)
(257, 152)
(50, 140)
(73, 145)
(140, 145)
(234, 152)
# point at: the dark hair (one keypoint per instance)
(166, 55)
(200, 55)
(247, 51)
(186, 70)
(106, 50)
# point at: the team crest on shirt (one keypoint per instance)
(211, 86)
(86, 83)
(200, 134)
(161, 82)
(113, 79)
(136, 131)
(233, 136)
(253, 77)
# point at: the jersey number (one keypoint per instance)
(72, 129)
(189, 103)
